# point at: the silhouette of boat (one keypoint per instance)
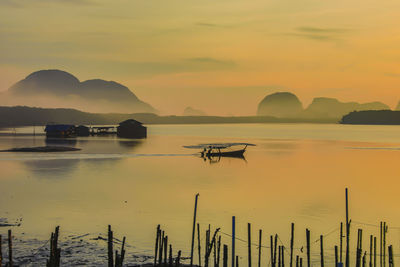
(221, 149)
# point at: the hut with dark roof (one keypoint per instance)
(131, 129)
(60, 130)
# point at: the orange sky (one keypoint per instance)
(219, 56)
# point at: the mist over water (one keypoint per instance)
(296, 173)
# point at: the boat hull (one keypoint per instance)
(233, 154)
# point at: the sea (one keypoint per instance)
(295, 173)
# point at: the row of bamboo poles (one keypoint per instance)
(54, 259)
(163, 252)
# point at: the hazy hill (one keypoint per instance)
(287, 105)
(189, 111)
(56, 88)
(382, 117)
(281, 104)
(324, 107)
(28, 116)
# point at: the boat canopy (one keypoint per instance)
(218, 145)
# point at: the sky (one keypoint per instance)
(219, 56)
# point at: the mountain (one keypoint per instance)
(324, 107)
(280, 104)
(56, 88)
(189, 111)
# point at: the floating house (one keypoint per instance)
(60, 130)
(82, 130)
(131, 129)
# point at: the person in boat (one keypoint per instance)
(203, 153)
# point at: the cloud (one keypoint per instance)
(214, 61)
(320, 34)
(26, 3)
(204, 24)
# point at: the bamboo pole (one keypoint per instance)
(259, 247)
(374, 251)
(341, 241)
(384, 243)
(347, 230)
(194, 229)
(336, 256)
(321, 241)
(110, 247)
(219, 251)
(370, 250)
(308, 248)
(1, 252)
(156, 246)
(170, 256)
(272, 250)
(291, 244)
(161, 247)
(380, 245)
(165, 249)
(233, 240)
(275, 245)
(198, 243)
(10, 258)
(178, 259)
(391, 262)
(225, 257)
(249, 243)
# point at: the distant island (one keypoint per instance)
(57, 88)
(374, 117)
(288, 105)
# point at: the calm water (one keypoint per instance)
(296, 173)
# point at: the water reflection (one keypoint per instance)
(61, 142)
(51, 168)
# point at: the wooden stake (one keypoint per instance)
(237, 261)
(391, 262)
(219, 251)
(161, 248)
(374, 251)
(259, 247)
(384, 243)
(380, 245)
(308, 248)
(170, 262)
(272, 250)
(341, 241)
(194, 228)
(110, 247)
(233, 241)
(198, 243)
(297, 261)
(178, 259)
(347, 231)
(370, 250)
(275, 245)
(336, 256)
(1, 252)
(165, 249)
(156, 247)
(10, 258)
(249, 243)
(291, 245)
(321, 241)
(225, 257)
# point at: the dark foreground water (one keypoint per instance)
(296, 173)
